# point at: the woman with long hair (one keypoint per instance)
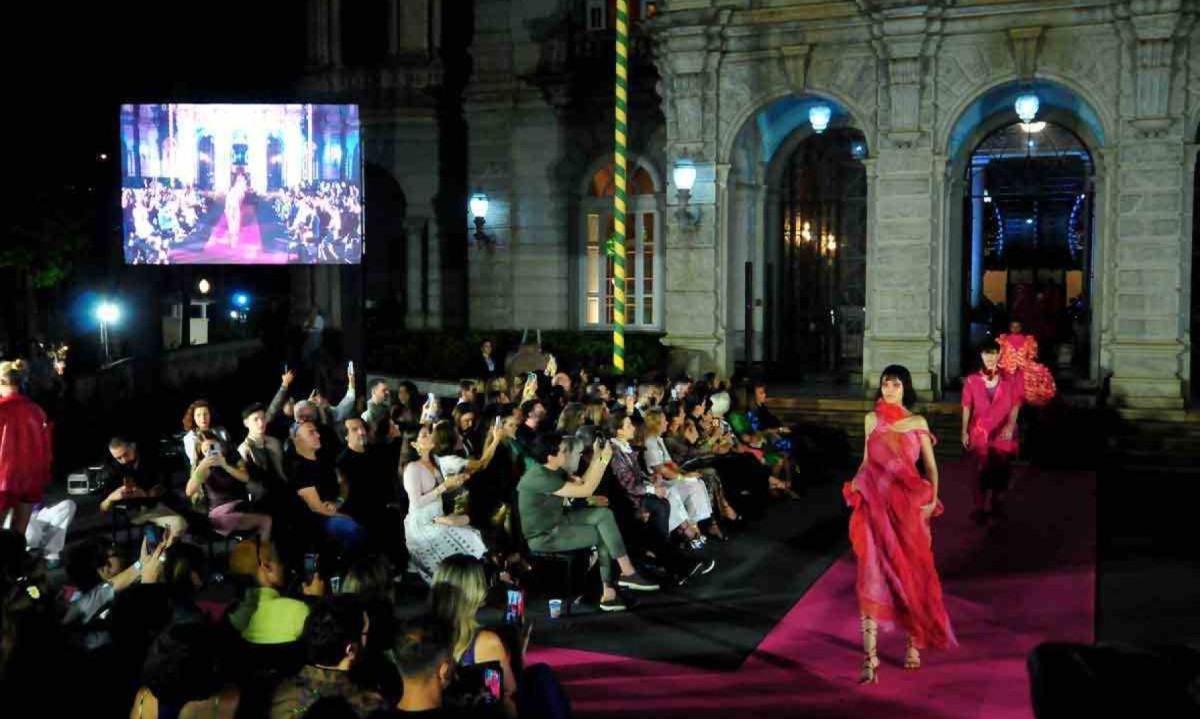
(224, 478)
(196, 419)
(430, 534)
(459, 591)
(889, 527)
(25, 449)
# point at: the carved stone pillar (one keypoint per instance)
(1155, 23)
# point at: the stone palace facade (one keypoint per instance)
(727, 86)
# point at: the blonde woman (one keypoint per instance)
(694, 505)
(459, 591)
(25, 449)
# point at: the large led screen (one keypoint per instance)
(241, 184)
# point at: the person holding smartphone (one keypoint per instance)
(459, 591)
(225, 484)
(134, 484)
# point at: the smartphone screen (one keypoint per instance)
(493, 682)
(514, 613)
(310, 567)
(153, 535)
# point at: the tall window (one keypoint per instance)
(643, 252)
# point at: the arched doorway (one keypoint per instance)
(816, 319)
(1027, 242)
(1045, 236)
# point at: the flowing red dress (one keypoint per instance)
(25, 453)
(897, 581)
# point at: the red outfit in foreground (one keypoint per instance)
(25, 454)
(897, 582)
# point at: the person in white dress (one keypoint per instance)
(689, 498)
(430, 534)
(233, 209)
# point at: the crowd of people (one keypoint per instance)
(323, 221)
(327, 506)
(158, 216)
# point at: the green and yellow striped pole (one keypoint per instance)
(619, 195)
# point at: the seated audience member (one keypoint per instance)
(133, 481)
(336, 633)
(466, 394)
(547, 528)
(259, 448)
(694, 505)
(366, 471)
(426, 667)
(458, 593)
(370, 579)
(47, 530)
(225, 485)
(196, 419)
(264, 615)
(316, 483)
(97, 574)
(181, 678)
(430, 534)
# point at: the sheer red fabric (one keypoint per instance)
(897, 581)
(25, 452)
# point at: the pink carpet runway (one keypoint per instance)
(1007, 589)
(248, 250)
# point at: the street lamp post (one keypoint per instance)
(108, 313)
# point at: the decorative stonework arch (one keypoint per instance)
(729, 135)
(975, 118)
(767, 135)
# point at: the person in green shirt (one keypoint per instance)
(265, 616)
(548, 528)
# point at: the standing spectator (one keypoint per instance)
(379, 401)
(487, 363)
(25, 449)
(314, 332)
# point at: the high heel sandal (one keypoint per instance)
(912, 656)
(870, 666)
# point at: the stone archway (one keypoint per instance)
(1066, 112)
(758, 159)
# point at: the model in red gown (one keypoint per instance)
(890, 531)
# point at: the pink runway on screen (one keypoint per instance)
(1006, 589)
(248, 249)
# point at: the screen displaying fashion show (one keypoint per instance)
(241, 184)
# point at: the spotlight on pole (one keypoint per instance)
(204, 286)
(108, 312)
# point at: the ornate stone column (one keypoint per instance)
(1145, 342)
